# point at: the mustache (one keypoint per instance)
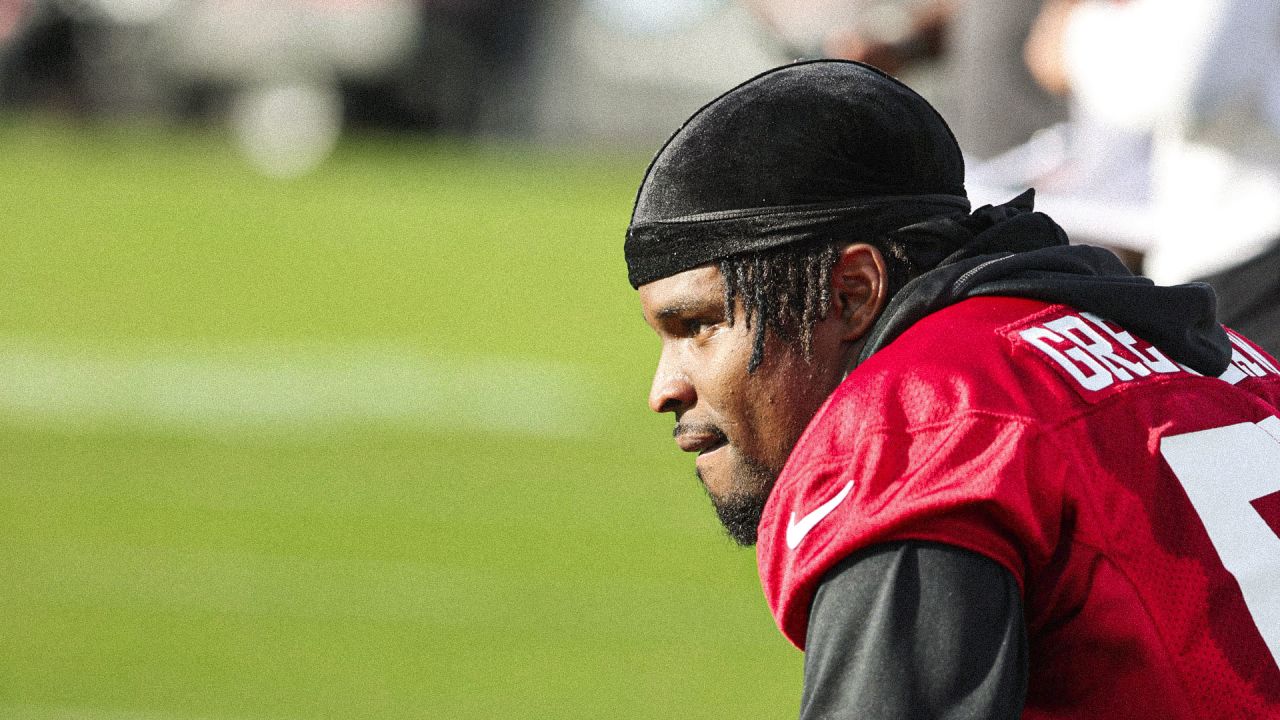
(697, 428)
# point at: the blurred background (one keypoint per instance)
(322, 389)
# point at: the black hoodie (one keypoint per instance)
(1012, 251)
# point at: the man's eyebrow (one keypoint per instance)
(684, 308)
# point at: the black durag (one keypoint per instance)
(806, 151)
(832, 149)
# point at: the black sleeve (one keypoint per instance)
(915, 630)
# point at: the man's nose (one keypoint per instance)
(671, 390)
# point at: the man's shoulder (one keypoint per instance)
(966, 339)
(965, 358)
(1020, 358)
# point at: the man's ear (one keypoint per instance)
(859, 289)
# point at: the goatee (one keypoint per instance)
(740, 511)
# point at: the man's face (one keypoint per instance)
(742, 425)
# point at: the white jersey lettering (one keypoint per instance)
(1079, 332)
(1088, 372)
(1098, 354)
(1147, 353)
(1249, 361)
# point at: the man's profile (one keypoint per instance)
(988, 474)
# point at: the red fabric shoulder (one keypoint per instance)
(932, 439)
(1135, 501)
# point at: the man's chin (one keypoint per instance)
(740, 515)
(741, 508)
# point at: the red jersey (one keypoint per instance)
(1136, 502)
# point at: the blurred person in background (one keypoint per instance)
(1199, 78)
(964, 55)
(893, 35)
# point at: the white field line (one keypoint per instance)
(286, 389)
(256, 585)
(250, 584)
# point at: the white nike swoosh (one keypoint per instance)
(797, 530)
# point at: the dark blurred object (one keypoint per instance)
(1249, 297)
(45, 54)
(471, 57)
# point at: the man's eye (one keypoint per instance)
(699, 327)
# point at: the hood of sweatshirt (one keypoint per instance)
(1011, 250)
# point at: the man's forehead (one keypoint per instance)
(688, 289)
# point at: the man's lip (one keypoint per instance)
(700, 442)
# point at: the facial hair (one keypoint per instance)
(740, 511)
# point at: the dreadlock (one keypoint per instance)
(787, 289)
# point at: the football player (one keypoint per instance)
(988, 474)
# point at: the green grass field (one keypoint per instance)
(368, 444)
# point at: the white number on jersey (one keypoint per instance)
(1232, 476)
